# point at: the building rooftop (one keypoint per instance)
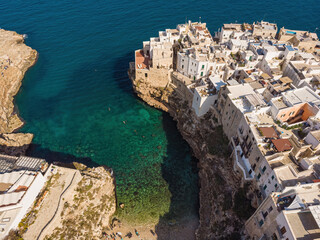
(285, 80)
(255, 100)
(303, 225)
(282, 145)
(279, 103)
(301, 95)
(142, 61)
(8, 164)
(240, 90)
(269, 132)
(316, 134)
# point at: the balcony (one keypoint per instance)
(242, 162)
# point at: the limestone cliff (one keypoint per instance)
(224, 204)
(15, 59)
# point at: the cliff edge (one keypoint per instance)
(15, 59)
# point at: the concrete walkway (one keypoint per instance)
(53, 203)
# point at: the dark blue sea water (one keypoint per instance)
(84, 50)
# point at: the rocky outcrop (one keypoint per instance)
(86, 214)
(224, 203)
(15, 59)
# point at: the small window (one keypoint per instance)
(201, 74)
(283, 230)
(260, 222)
(254, 166)
(264, 169)
(259, 176)
(197, 98)
(250, 171)
(257, 159)
(276, 185)
(202, 66)
(146, 74)
(272, 177)
(270, 209)
(182, 67)
(264, 187)
(265, 215)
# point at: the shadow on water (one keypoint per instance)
(181, 174)
(120, 74)
(35, 150)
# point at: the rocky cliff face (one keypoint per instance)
(15, 59)
(224, 204)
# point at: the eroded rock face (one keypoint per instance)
(15, 59)
(221, 191)
(15, 143)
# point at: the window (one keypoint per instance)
(257, 159)
(254, 167)
(270, 209)
(182, 67)
(260, 222)
(264, 169)
(259, 176)
(276, 185)
(272, 177)
(283, 115)
(146, 74)
(264, 187)
(202, 66)
(201, 74)
(197, 98)
(274, 237)
(265, 215)
(283, 230)
(250, 171)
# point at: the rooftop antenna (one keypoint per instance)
(199, 19)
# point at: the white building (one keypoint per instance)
(195, 63)
(206, 96)
(21, 179)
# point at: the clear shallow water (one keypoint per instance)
(84, 48)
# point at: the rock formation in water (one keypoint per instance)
(15, 59)
(224, 204)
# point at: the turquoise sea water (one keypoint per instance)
(84, 50)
